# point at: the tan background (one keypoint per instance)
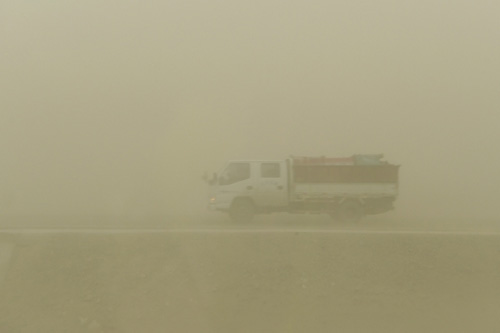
(118, 107)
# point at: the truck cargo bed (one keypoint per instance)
(360, 176)
(327, 191)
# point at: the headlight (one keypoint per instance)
(212, 200)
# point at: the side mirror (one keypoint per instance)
(213, 181)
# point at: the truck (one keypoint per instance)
(345, 188)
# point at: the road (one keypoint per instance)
(275, 275)
(282, 222)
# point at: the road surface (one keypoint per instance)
(275, 275)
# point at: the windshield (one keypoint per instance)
(234, 172)
(361, 144)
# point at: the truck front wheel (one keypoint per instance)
(242, 211)
(350, 211)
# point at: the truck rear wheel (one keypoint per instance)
(242, 211)
(350, 211)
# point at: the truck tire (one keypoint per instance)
(350, 211)
(242, 211)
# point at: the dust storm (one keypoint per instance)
(111, 112)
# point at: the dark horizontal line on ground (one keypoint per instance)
(244, 231)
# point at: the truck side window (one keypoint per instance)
(235, 172)
(270, 170)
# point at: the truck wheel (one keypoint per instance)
(242, 211)
(350, 211)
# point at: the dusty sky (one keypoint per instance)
(119, 106)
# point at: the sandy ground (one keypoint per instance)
(300, 280)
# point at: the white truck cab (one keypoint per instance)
(262, 184)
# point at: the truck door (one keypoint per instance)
(271, 189)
